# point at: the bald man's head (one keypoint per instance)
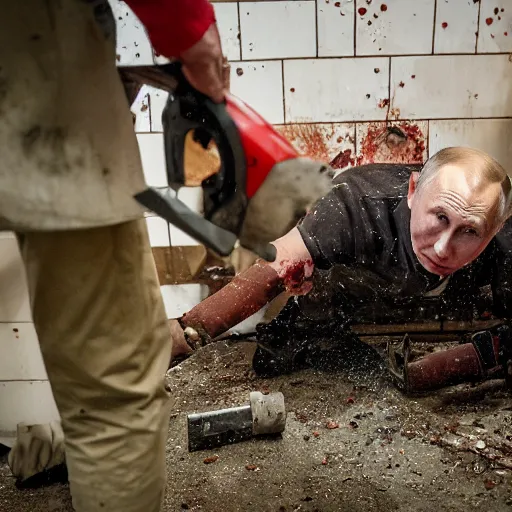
(458, 203)
(477, 168)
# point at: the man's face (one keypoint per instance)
(453, 218)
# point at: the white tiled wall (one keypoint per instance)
(336, 75)
(158, 230)
(178, 299)
(21, 357)
(291, 26)
(153, 158)
(319, 90)
(495, 28)
(28, 401)
(466, 86)
(491, 135)
(335, 21)
(133, 46)
(402, 28)
(357, 61)
(14, 301)
(456, 26)
(227, 20)
(25, 394)
(260, 84)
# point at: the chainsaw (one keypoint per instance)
(249, 148)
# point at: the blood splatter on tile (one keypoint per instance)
(396, 142)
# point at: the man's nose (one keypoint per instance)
(442, 246)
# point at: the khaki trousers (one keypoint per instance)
(106, 345)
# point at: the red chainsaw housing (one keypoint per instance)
(263, 146)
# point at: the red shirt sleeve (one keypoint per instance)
(173, 26)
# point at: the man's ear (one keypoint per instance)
(413, 181)
(501, 224)
(499, 228)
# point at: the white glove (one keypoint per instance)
(37, 448)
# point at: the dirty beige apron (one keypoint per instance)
(68, 152)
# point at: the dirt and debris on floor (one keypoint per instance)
(352, 443)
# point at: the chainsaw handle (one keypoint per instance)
(188, 110)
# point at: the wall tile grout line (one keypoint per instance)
(434, 27)
(239, 30)
(400, 120)
(375, 56)
(355, 139)
(17, 322)
(169, 235)
(389, 90)
(355, 29)
(148, 96)
(394, 121)
(247, 1)
(282, 87)
(316, 26)
(478, 27)
(23, 380)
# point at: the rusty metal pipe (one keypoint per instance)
(444, 368)
(246, 294)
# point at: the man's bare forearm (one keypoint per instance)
(249, 291)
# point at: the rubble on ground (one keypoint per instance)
(451, 450)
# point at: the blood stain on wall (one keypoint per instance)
(323, 142)
(308, 139)
(402, 142)
(395, 142)
(342, 159)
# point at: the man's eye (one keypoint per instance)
(442, 217)
(471, 232)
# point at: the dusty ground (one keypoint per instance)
(388, 452)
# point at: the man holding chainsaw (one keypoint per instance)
(69, 169)
(389, 236)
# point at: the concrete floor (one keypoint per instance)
(389, 452)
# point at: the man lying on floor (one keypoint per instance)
(390, 235)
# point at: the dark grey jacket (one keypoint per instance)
(360, 233)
